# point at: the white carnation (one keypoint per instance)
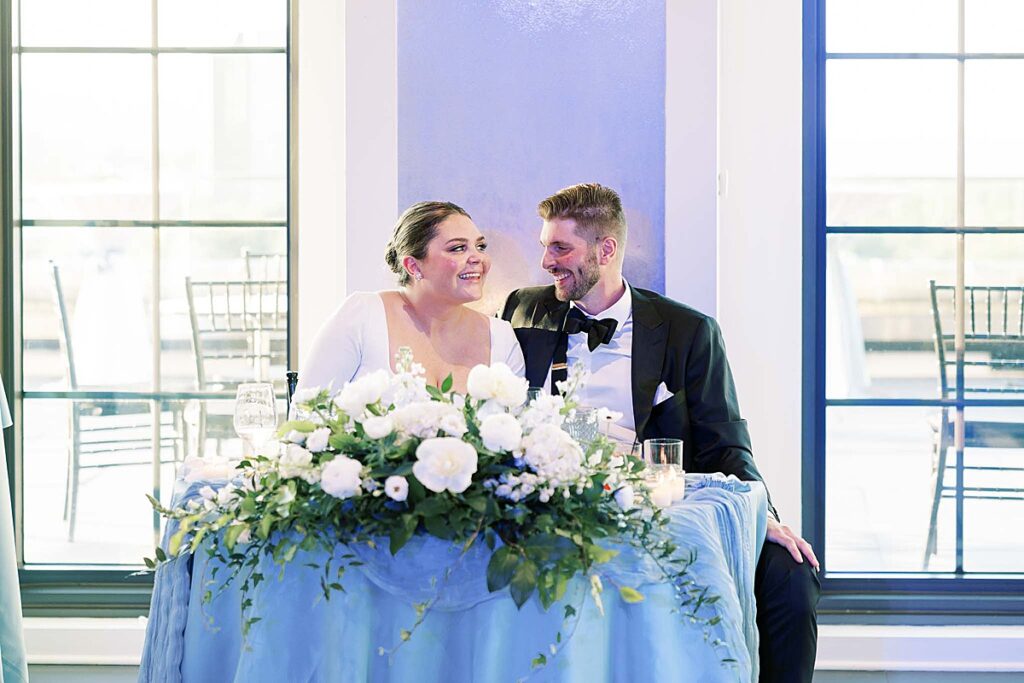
(316, 442)
(501, 432)
(340, 477)
(397, 488)
(378, 427)
(445, 464)
(295, 461)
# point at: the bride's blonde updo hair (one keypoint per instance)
(413, 232)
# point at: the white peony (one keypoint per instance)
(625, 497)
(501, 432)
(295, 461)
(316, 442)
(497, 382)
(445, 464)
(378, 427)
(340, 477)
(397, 488)
(357, 394)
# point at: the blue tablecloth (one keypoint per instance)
(470, 635)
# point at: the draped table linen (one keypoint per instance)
(469, 634)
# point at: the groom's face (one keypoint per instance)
(570, 259)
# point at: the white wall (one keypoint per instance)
(759, 229)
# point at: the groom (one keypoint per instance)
(672, 358)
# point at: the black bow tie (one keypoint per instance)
(598, 331)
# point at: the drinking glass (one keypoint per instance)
(583, 425)
(255, 415)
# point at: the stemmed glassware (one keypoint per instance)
(255, 415)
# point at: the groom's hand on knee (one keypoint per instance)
(797, 547)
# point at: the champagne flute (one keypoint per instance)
(255, 415)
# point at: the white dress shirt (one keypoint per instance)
(610, 366)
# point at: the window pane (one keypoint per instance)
(891, 142)
(223, 23)
(223, 137)
(994, 484)
(879, 323)
(219, 254)
(86, 136)
(891, 25)
(106, 283)
(112, 520)
(994, 143)
(994, 308)
(97, 23)
(879, 490)
(994, 25)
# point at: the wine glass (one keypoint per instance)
(255, 414)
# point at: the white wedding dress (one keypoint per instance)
(354, 342)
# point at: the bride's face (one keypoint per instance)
(456, 263)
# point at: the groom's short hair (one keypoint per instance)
(596, 209)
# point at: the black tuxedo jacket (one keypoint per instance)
(672, 343)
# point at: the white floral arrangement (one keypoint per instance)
(389, 456)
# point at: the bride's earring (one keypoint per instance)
(418, 276)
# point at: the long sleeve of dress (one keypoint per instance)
(337, 350)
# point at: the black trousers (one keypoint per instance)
(787, 599)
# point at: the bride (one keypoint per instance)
(441, 261)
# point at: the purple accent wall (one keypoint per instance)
(503, 102)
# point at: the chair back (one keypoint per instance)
(65, 326)
(265, 266)
(239, 330)
(993, 338)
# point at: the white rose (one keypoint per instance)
(305, 395)
(294, 461)
(488, 408)
(481, 382)
(356, 395)
(378, 427)
(501, 432)
(509, 389)
(397, 488)
(445, 464)
(625, 497)
(340, 477)
(295, 436)
(316, 442)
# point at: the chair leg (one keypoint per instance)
(942, 446)
(76, 448)
(201, 430)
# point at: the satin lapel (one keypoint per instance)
(650, 335)
(539, 340)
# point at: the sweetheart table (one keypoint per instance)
(468, 634)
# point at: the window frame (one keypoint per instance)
(96, 590)
(871, 597)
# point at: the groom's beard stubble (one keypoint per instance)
(583, 279)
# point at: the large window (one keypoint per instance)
(147, 256)
(915, 244)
